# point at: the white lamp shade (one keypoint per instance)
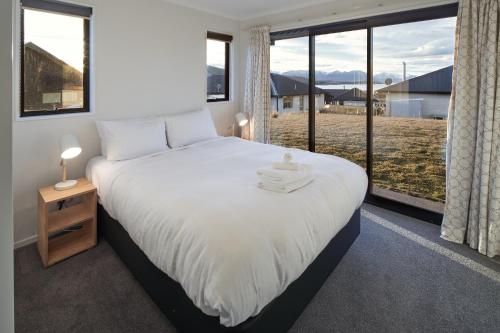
(241, 119)
(69, 147)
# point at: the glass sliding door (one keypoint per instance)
(290, 92)
(341, 81)
(412, 73)
(381, 98)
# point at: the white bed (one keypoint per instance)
(198, 215)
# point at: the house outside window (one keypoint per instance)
(55, 75)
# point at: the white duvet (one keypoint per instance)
(199, 216)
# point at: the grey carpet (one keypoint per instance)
(385, 283)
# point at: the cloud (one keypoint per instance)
(425, 46)
(216, 53)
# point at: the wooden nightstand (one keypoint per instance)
(51, 221)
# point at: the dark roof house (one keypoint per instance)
(343, 95)
(437, 82)
(282, 85)
(48, 74)
(333, 93)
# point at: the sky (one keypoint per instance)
(60, 35)
(216, 53)
(425, 46)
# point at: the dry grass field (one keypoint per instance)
(409, 153)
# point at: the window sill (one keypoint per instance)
(53, 116)
(218, 100)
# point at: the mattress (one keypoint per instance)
(199, 216)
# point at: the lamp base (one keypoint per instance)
(66, 185)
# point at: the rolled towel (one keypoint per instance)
(286, 188)
(285, 176)
(286, 163)
(287, 158)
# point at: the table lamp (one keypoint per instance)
(69, 148)
(241, 120)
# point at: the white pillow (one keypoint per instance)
(189, 127)
(128, 139)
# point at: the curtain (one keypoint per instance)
(472, 210)
(257, 98)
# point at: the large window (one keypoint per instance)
(218, 55)
(54, 58)
(381, 95)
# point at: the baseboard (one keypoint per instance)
(27, 241)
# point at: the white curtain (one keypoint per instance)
(472, 211)
(257, 86)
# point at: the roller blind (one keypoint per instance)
(219, 36)
(59, 7)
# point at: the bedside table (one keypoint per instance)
(52, 220)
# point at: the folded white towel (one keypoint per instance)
(286, 166)
(285, 176)
(288, 187)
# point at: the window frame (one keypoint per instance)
(227, 39)
(368, 23)
(60, 8)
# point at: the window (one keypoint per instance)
(381, 95)
(287, 102)
(54, 58)
(218, 49)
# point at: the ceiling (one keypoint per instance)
(248, 9)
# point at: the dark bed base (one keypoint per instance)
(277, 316)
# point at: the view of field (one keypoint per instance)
(408, 157)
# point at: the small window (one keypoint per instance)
(218, 49)
(54, 58)
(287, 102)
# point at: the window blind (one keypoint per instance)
(59, 7)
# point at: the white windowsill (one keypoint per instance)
(54, 116)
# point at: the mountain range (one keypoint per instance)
(335, 77)
(338, 77)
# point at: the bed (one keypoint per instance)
(215, 252)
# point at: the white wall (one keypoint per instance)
(430, 105)
(149, 58)
(6, 245)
